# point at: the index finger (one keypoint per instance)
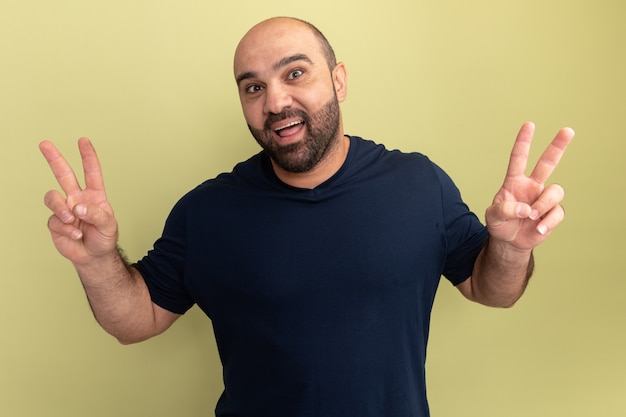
(62, 171)
(550, 158)
(521, 149)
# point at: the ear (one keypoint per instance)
(340, 81)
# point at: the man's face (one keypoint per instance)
(288, 94)
(318, 132)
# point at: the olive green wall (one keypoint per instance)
(150, 82)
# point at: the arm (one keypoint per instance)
(523, 214)
(84, 230)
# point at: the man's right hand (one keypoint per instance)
(84, 230)
(83, 226)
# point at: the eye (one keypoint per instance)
(297, 73)
(253, 88)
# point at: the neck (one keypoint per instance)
(327, 167)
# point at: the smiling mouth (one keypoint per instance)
(289, 129)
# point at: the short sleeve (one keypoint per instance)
(163, 267)
(465, 234)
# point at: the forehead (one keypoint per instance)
(269, 42)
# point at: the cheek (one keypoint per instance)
(314, 100)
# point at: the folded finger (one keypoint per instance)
(551, 196)
(551, 220)
(58, 227)
(55, 201)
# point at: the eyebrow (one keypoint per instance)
(277, 66)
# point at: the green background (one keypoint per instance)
(150, 82)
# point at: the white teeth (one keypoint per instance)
(288, 125)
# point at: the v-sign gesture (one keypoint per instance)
(525, 210)
(84, 230)
(82, 225)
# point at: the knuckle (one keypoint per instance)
(557, 190)
(54, 223)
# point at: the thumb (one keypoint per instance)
(102, 220)
(503, 211)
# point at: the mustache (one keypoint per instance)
(285, 114)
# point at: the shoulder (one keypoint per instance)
(368, 150)
(370, 156)
(251, 172)
(245, 178)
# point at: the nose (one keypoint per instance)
(277, 98)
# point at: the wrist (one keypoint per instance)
(104, 266)
(508, 257)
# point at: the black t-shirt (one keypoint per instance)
(320, 299)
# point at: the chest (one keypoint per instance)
(278, 250)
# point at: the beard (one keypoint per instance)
(321, 133)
